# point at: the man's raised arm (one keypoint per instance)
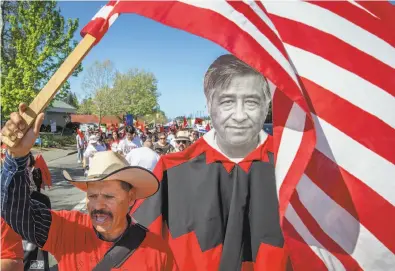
(29, 218)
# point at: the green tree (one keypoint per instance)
(157, 116)
(86, 107)
(136, 92)
(70, 98)
(35, 40)
(97, 83)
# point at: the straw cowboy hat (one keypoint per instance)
(182, 135)
(108, 165)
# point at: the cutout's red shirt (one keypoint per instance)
(75, 245)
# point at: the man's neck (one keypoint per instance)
(236, 152)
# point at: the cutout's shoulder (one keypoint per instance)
(174, 159)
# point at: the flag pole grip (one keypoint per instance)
(45, 96)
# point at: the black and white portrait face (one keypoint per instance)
(239, 111)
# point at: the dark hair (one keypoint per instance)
(126, 186)
(32, 161)
(221, 72)
(130, 129)
(162, 134)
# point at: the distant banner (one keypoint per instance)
(129, 119)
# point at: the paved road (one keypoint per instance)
(63, 195)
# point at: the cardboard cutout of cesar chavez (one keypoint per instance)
(217, 205)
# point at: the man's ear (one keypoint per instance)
(132, 196)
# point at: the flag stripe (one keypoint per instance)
(304, 256)
(282, 105)
(368, 130)
(226, 10)
(343, 228)
(335, 25)
(337, 52)
(378, 177)
(347, 85)
(353, 2)
(360, 17)
(298, 166)
(316, 246)
(259, 9)
(255, 19)
(291, 138)
(382, 9)
(327, 242)
(352, 194)
(104, 12)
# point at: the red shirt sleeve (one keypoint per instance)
(62, 231)
(11, 243)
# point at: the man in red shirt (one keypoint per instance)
(11, 256)
(81, 241)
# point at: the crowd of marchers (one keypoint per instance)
(140, 148)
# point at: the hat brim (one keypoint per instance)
(182, 138)
(143, 180)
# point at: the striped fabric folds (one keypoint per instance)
(333, 67)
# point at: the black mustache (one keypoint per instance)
(101, 212)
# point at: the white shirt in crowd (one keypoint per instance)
(87, 135)
(125, 146)
(143, 157)
(114, 146)
(91, 150)
(172, 140)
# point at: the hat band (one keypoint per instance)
(96, 176)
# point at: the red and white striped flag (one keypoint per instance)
(333, 68)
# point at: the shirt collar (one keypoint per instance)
(214, 154)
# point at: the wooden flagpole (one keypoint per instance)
(44, 97)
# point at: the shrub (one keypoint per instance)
(56, 141)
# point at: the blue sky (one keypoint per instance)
(178, 59)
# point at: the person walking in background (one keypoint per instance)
(162, 147)
(131, 141)
(194, 136)
(87, 135)
(148, 143)
(80, 145)
(94, 146)
(114, 141)
(171, 137)
(182, 141)
(143, 157)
